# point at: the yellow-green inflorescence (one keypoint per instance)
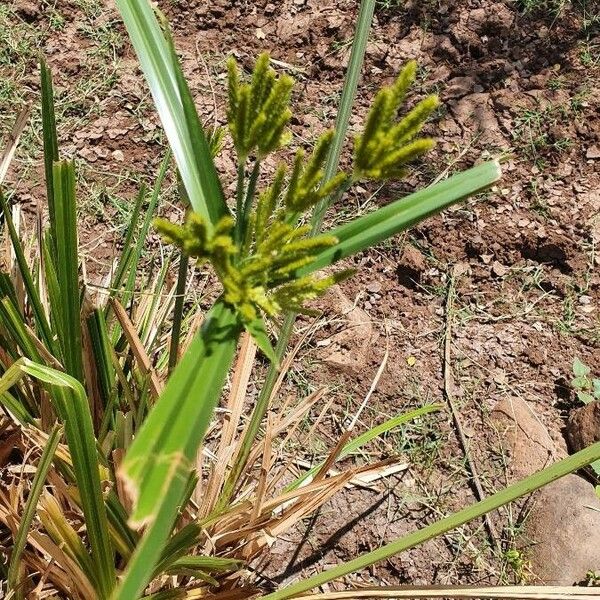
(386, 146)
(258, 111)
(259, 270)
(264, 279)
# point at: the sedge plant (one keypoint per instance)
(113, 395)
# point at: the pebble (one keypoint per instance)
(593, 152)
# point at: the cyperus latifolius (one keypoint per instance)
(259, 255)
(386, 146)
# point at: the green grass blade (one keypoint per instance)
(178, 311)
(7, 289)
(117, 517)
(368, 436)
(67, 267)
(179, 545)
(50, 138)
(175, 107)
(511, 493)
(179, 292)
(143, 233)
(127, 253)
(16, 408)
(258, 330)
(149, 324)
(29, 511)
(357, 55)
(157, 467)
(102, 350)
(52, 287)
(71, 404)
(32, 292)
(201, 147)
(12, 320)
(373, 228)
(208, 564)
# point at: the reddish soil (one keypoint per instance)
(524, 255)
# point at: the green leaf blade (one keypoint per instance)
(67, 267)
(373, 228)
(157, 467)
(29, 511)
(175, 107)
(509, 494)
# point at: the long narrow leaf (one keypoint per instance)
(52, 288)
(102, 352)
(143, 233)
(357, 55)
(157, 468)
(175, 105)
(474, 592)
(50, 138)
(126, 256)
(178, 311)
(511, 493)
(37, 486)
(366, 437)
(12, 319)
(16, 408)
(67, 267)
(373, 228)
(32, 292)
(72, 406)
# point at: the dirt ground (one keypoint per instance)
(522, 259)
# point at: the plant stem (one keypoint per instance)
(359, 44)
(239, 194)
(511, 493)
(248, 201)
(357, 56)
(262, 404)
(178, 311)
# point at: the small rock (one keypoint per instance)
(564, 528)
(374, 287)
(477, 19)
(593, 152)
(499, 269)
(118, 155)
(524, 438)
(501, 17)
(536, 355)
(461, 268)
(459, 87)
(583, 426)
(349, 349)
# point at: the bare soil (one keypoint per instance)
(523, 257)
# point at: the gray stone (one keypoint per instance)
(524, 438)
(564, 528)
